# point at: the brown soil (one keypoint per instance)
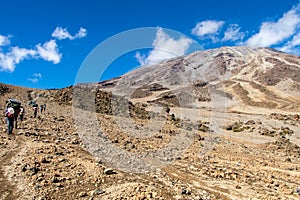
(46, 157)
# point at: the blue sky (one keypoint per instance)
(44, 43)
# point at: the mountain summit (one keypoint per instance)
(261, 77)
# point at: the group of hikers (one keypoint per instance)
(14, 111)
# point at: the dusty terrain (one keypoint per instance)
(237, 140)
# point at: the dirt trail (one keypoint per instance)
(8, 189)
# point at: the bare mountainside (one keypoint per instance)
(216, 124)
(253, 77)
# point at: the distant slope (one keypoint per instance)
(260, 77)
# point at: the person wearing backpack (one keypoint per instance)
(21, 115)
(35, 110)
(10, 118)
(16, 115)
(15, 104)
(41, 108)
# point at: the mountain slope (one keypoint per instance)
(253, 77)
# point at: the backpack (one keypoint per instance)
(13, 103)
(32, 102)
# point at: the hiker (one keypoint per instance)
(21, 114)
(41, 108)
(15, 104)
(16, 115)
(9, 114)
(35, 110)
(31, 102)
(44, 107)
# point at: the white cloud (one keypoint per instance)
(292, 46)
(9, 60)
(272, 33)
(33, 80)
(49, 51)
(296, 40)
(208, 28)
(81, 33)
(4, 40)
(20, 54)
(7, 63)
(38, 75)
(62, 33)
(164, 47)
(233, 33)
(141, 58)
